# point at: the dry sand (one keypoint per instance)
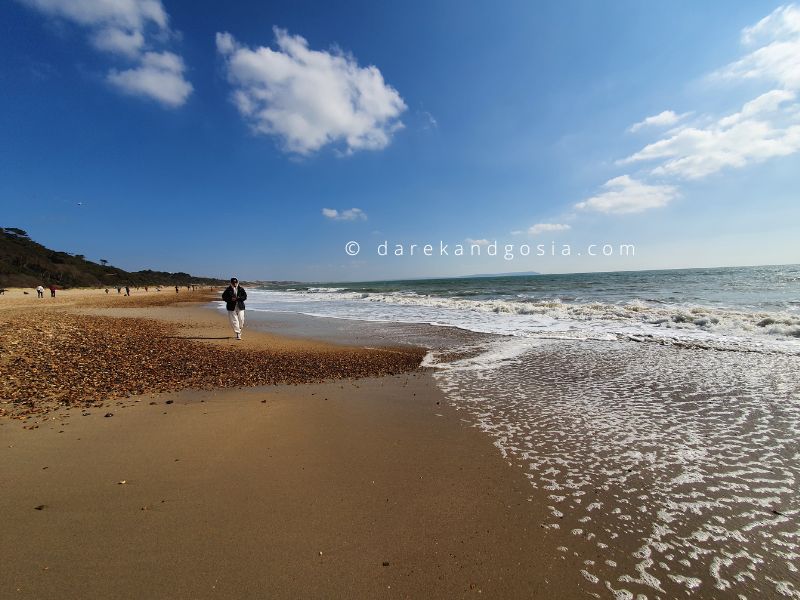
(16, 298)
(346, 489)
(95, 349)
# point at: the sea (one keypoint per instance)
(656, 413)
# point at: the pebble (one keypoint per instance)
(112, 358)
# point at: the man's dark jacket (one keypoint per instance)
(230, 301)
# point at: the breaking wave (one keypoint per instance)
(637, 319)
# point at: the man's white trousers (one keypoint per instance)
(237, 319)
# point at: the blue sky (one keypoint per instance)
(239, 139)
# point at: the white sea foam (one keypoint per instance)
(691, 452)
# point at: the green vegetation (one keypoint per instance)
(25, 263)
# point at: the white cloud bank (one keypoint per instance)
(777, 59)
(159, 76)
(624, 195)
(765, 127)
(310, 98)
(547, 228)
(130, 30)
(662, 119)
(351, 214)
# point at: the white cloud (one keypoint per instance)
(782, 22)
(547, 227)
(761, 106)
(126, 14)
(778, 59)
(766, 127)
(130, 30)
(351, 214)
(480, 242)
(624, 195)
(429, 121)
(662, 119)
(159, 76)
(310, 98)
(111, 39)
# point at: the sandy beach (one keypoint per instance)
(361, 482)
(514, 298)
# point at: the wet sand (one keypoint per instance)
(349, 489)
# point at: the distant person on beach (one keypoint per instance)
(176, 289)
(127, 291)
(52, 291)
(40, 292)
(234, 296)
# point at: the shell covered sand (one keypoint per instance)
(55, 359)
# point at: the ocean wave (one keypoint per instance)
(638, 319)
(324, 290)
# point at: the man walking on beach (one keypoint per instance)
(234, 296)
(40, 292)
